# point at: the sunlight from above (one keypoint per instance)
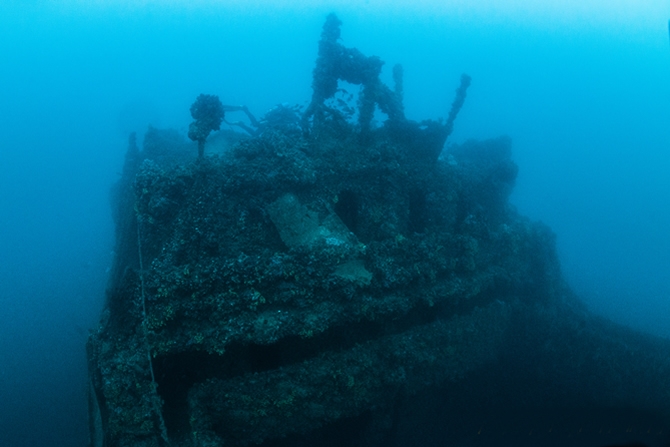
(593, 12)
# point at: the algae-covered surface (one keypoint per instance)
(321, 280)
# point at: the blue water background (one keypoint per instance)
(585, 97)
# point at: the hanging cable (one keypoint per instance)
(156, 398)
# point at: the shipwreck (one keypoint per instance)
(322, 280)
